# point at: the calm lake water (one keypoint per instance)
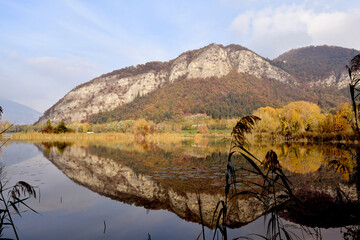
(109, 190)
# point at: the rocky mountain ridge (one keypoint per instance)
(119, 87)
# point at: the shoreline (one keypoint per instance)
(178, 137)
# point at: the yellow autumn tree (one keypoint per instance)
(269, 119)
(142, 128)
(4, 126)
(302, 116)
(85, 127)
(295, 117)
(340, 122)
(203, 129)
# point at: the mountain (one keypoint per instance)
(222, 81)
(17, 113)
(320, 65)
(233, 95)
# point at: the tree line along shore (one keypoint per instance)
(295, 121)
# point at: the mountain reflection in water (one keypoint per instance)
(157, 178)
(171, 177)
(154, 179)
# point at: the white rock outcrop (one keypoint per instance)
(341, 81)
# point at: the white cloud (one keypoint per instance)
(272, 31)
(64, 70)
(242, 23)
(338, 28)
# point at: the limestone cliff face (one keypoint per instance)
(102, 94)
(119, 87)
(112, 179)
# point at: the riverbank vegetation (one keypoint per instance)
(305, 120)
(296, 121)
(199, 123)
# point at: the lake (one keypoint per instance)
(111, 190)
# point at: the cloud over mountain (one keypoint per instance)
(271, 31)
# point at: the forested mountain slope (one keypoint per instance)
(233, 95)
(320, 65)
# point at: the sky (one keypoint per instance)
(48, 47)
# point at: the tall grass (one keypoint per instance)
(271, 189)
(12, 198)
(73, 136)
(122, 137)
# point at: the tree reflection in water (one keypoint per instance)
(272, 189)
(326, 198)
(313, 208)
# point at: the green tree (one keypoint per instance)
(61, 128)
(48, 128)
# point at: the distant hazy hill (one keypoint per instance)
(18, 113)
(222, 81)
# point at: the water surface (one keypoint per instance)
(109, 190)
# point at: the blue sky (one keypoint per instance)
(48, 47)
